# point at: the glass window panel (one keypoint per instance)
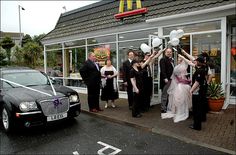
(233, 90)
(155, 89)
(75, 83)
(54, 63)
(75, 43)
(199, 27)
(54, 46)
(104, 52)
(74, 59)
(211, 44)
(137, 34)
(104, 39)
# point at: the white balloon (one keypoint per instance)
(174, 42)
(173, 34)
(145, 48)
(156, 42)
(180, 33)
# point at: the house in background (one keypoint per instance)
(14, 36)
(209, 26)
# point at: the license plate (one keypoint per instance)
(56, 117)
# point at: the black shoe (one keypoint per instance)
(163, 111)
(138, 116)
(192, 127)
(130, 107)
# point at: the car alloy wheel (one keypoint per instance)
(5, 119)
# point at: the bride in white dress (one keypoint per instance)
(180, 99)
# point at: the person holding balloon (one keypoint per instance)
(136, 78)
(148, 78)
(208, 77)
(148, 72)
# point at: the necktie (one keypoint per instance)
(172, 61)
(96, 65)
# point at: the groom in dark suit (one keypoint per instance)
(126, 70)
(91, 75)
(166, 70)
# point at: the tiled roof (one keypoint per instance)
(100, 15)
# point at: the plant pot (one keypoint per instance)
(216, 104)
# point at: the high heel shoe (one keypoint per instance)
(106, 105)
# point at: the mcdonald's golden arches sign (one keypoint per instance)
(130, 11)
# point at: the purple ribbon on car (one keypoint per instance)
(56, 102)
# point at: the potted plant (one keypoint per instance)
(215, 96)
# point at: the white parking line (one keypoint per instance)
(75, 153)
(107, 146)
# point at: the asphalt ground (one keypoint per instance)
(217, 133)
(87, 134)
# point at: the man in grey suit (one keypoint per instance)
(166, 70)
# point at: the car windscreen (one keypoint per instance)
(24, 78)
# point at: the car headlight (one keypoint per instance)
(73, 98)
(27, 106)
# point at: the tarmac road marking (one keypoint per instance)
(107, 146)
(75, 153)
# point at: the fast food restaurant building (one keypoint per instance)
(209, 25)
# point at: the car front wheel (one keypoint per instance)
(6, 119)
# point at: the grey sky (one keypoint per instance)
(38, 17)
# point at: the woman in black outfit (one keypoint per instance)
(109, 85)
(147, 79)
(136, 78)
(137, 82)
